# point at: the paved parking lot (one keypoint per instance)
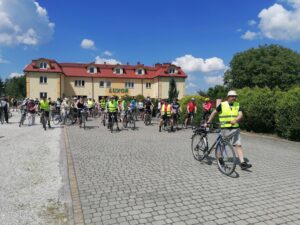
(147, 177)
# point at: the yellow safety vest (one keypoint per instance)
(112, 106)
(228, 114)
(102, 104)
(163, 112)
(44, 105)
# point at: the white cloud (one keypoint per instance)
(99, 60)
(107, 53)
(88, 44)
(15, 74)
(251, 22)
(24, 22)
(214, 80)
(249, 35)
(191, 85)
(191, 64)
(279, 23)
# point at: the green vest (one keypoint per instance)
(112, 106)
(44, 105)
(228, 114)
(125, 104)
(102, 104)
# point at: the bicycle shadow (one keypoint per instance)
(91, 127)
(212, 161)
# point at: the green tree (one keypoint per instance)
(265, 66)
(218, 92)
(2, 86)
(173, 93)
(16, 87)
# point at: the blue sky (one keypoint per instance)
(199, 36)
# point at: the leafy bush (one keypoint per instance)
(287, 115)
(183, 103)
(258, 105)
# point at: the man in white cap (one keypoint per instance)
(230, 113)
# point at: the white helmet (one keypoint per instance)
(232, 93)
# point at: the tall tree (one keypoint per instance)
(16, 87)
(217, 92)
(173, 93)
(265, 66)
(2, 86)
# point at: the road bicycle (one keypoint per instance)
(224, 151)
(71, 116)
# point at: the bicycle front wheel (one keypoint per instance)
(56, 119)
(226, 158)
(199, 146)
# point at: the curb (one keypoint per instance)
(76, 204)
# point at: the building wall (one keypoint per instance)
(61, 86)
(34, 87)
(72, 90)
(164, 87)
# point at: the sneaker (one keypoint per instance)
(245, 165)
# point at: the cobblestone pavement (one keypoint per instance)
(147, 177)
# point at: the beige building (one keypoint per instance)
(49, 78)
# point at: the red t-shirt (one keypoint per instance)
(191, 106)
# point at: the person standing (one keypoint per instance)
(191, 109)
(45, 106)
(230, 114)
(4, 107)
(206, 109)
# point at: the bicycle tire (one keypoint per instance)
(225, 151)
(2, 117)
(68, 119)
(111, 125)
(199, 146)
(44, 122)
(125, 122)
(21, 121)
(133, 124)
(56, 119)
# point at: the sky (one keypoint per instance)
(199, 36)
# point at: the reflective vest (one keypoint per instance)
(90, 103)
(44, 105)
(166, 109)
(112, 106)
(228, 114)
(102, 104)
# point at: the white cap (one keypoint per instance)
(231, 93)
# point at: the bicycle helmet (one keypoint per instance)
(231, 93)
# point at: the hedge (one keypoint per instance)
(287, 115)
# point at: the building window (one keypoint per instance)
(108, 84)
(43, 65)
(139, 72)
(129, 85)
(118, 71)
(148, 85)
(43, 80)
(172, 71)
(43, 94)
(79, 83)
(101, 84)
(92, 70)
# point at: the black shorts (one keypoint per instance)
(165, 117)
(189, 115)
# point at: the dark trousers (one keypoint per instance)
(5, 111)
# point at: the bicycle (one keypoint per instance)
(111, 122)
(83, 117)
(43, 119)
(23, 117)
(147, 118)
(103, 117)
(129, 119)
(224, 151)
(167, 125)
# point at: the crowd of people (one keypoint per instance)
(230, 113)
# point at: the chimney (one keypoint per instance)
(157, 65)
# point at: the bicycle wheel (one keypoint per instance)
(132, 124)
(2, 116)
(125, 122)
(22, 120)
(226, 158)
(199, 146)
(68, 119)
(44, 122)
(56, 119)
(111, 125)
(147, 120)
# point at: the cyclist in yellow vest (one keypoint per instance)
(45, 106)
(112, 109)
(102, 104)
(230, 114)
(166, 112)
(90, 105)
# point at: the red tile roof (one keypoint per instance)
(105, 70)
